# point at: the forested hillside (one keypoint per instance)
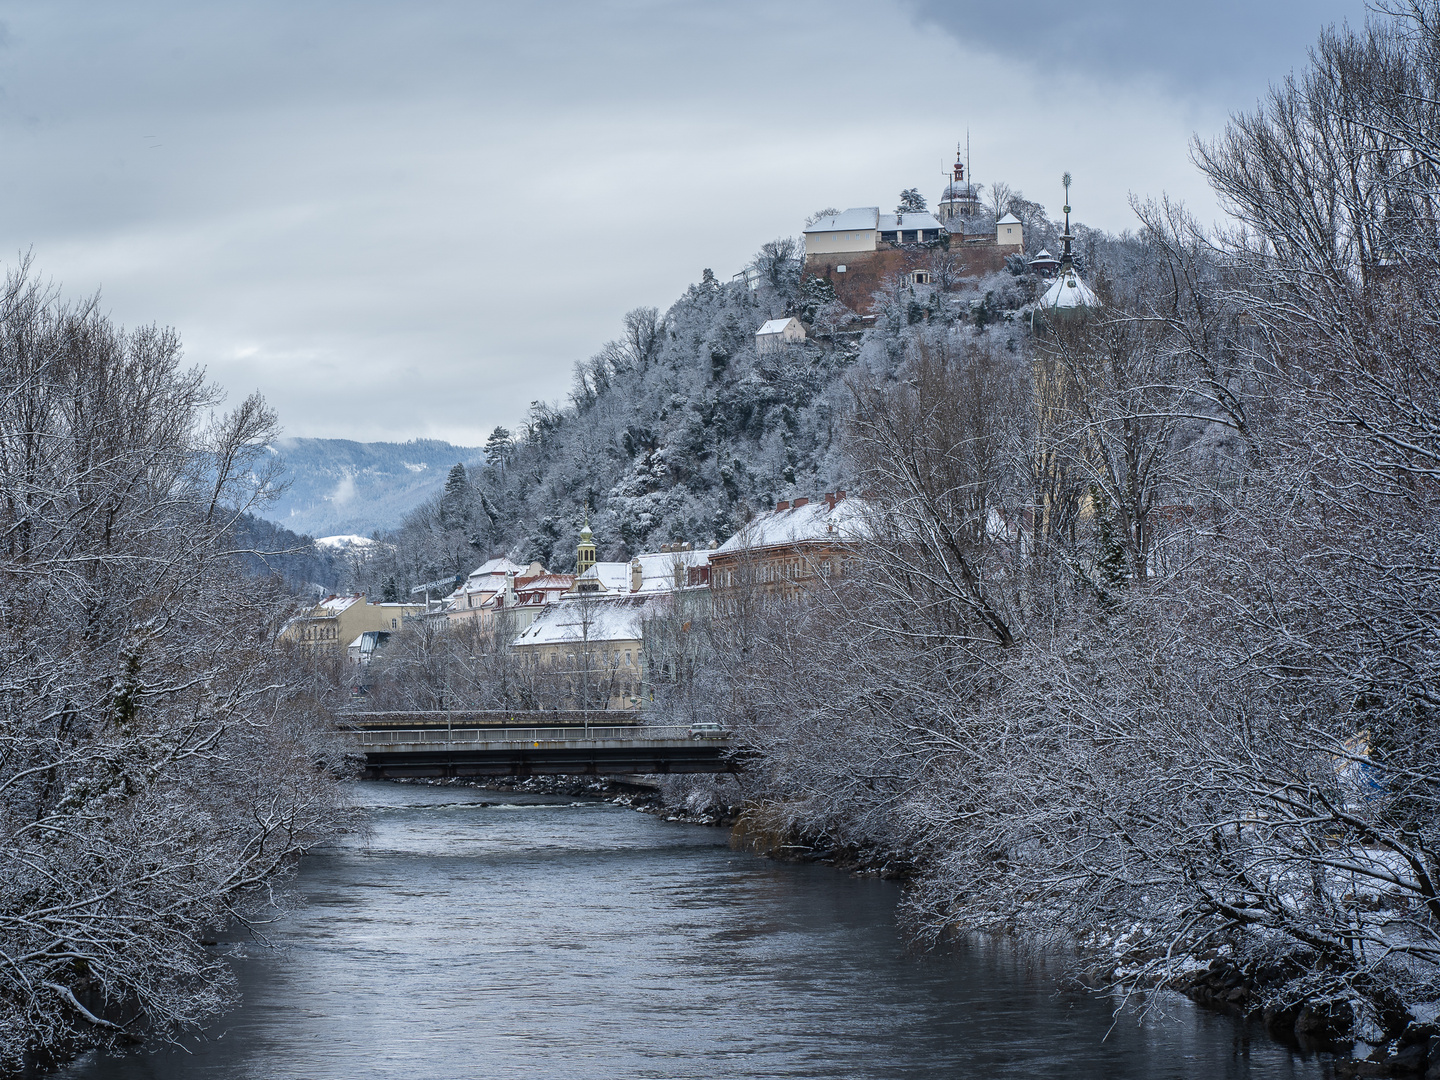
(266, 550)
(340, 486)
(679, 430)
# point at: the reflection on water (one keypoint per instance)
(478, 934)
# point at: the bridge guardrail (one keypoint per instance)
(530, 736)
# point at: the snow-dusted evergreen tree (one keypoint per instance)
(911, 202)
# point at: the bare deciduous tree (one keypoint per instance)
(160, 766)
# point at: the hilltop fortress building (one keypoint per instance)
(861, 249)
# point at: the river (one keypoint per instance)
(479, 934)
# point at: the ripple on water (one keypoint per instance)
(591, 941)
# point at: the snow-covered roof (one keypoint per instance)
(960, 193)
(545, 581)
(815, 521)
(1009, 219)
(893, 222)
(489, 576)
(775, 326)
(334, 605)
(1043, 255)
(368, 642)
(613, 576)
(1069, 292)
(590, 618)
(857, 217)
(497, 567)
(658, 571)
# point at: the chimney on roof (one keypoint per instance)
(801, 502)
(783, 504)
(637, 575)
(839, 495)
(830, 499)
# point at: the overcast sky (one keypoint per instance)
(409, 220)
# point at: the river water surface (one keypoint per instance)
(540, 937)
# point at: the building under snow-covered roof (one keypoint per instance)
(917, 228)
(336, 620)
(787, 548)
(648, 573)
(833, 518)
(1009, 232)
(363, 649)
(588, 648)
(959, 200)
(589, 620)
(1068, 294)
(489, 577)
(777, 333)
(853, 230)
(1044, 263)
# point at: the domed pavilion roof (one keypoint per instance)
(1069, 293)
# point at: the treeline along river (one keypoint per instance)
(481, 934)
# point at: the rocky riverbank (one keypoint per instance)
(1404, 1048)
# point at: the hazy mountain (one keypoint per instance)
(339, 486)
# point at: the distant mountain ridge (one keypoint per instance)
(340, 486)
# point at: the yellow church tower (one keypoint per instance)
(585, 550)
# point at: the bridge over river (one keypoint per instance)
(433, 748)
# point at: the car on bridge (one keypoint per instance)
(707, 731)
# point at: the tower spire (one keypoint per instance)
(1067, 259)
(585, 550)
(1068, 296)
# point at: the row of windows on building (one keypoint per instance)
(775, 570)
(602, 657)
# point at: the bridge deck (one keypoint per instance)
(455, 718)
(541, 751)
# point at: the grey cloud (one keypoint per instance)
(1232, 47)
(410, 219)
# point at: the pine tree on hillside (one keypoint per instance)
(455, 499)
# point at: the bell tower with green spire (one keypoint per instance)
(585, 550)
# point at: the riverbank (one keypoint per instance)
(1410, 1049)
(1395, 1046)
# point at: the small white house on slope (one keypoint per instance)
(777, 333)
